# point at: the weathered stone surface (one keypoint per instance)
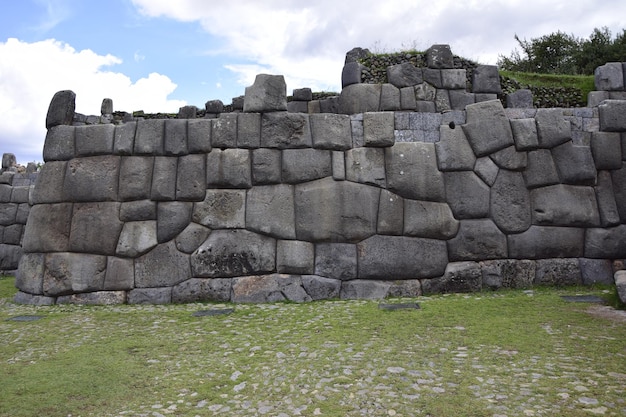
(558, 272)
(607, 206)
(338, 165)
(606, 148)
(552, 128)
(214, 106)
(439, 56)
(149, 137)
(574, 164)
(454, 152)
(336, 260)
(199, 135)
(23, 210)
(20, 194)
(61, 109)
(285, 130)
(124, 138)
(524, 134)
(224, 131)
(196, 290)
(510, 202)
(270, 210)
(429, 220)
(486, 169)
(137, 238)
(95, 228)
(359, 289)
(378, 129)
(412, 171)
(606, 243)
(302, 94)
(295, 257)
(453, 79)
(175, 136)
(459, 99)
(510, 158)
(351, 73)
(477, 240)
(94, 298)
(65, 273)
(163, 266)
(366, 166)
(359, 98)
(321, 288)
(487, 128)
(93, 178)
(331, 131)
(620, 284)
(267, 94)
(618, 178)
(467, 195)
(611, 114)
(229, 168)
(12, 235)
(596, 271)
(336, 211)
(425, 92)
(508, 273)
(132, 211)
(432, 76)
(609, 77)
(266, 166)
(173, 217)
(221, 209)
(458, 277)
(301, 165)
(390, 214)
(135, 177)
(486, 79)
(404, 75)
(187, 112)
(119, 275)
(94, 140)
(268, 288)
(191, 238)
(150, 296)
(405, 288)
(547, 242)
(399, 257)
(230, 253)
(36, 300)
(29, 277)
(191, 178)
(442, 101)
(393, 98)
(8, 213)
(48, 228)
(541, 169)
(565, 205)
(522, 98)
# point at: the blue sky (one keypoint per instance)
(157, 55)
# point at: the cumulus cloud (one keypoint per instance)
(30, 74)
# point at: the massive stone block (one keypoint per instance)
(301, 165)
(477, 240)
(48, 228)
(508, 273)
(486, 169)
(331, 131)
(95, 228)
(135, 177)
(335, 211)
(94, 140)
(454, 152)
(412, 171)
(390, 214)
(609, 77)
(30, 273)
(486, 79)
(552, 128)
(574, 164)
(295, 257)
(221, 209)
(191, 237)
(540, 242)
(61, 109)
(618, 178)
(132, 211)
(611, 114)
(359, 98)
(510, 202)
(93, 178)
(163, 266)
(120, 274)
(199, 135)
(541, 169)
(191, 178)
(266, 166)
(164, 178)
(196, 290)
(487, 128)
(59, 144)
(607, 206)
(510, 158)
(606, 243)
(393, 98)
(378, 129)
(606, 148)
(596, 271)
(224, 131)
(467, 195)
(268, 288)
(404, 75)
(229, 168)
(565, 205)
(400, 257)
(321, 288)
(172, 218)
(124, 138)
(149, 137)
(525, 134)
(65, 273)
(360, 289)
(429, 220)
(458, 277)
(270, 210)
(558, 272)
(336, 260)
(267, 94)
(285, 130)
(366, 166)
(175, 137)
(231, 253)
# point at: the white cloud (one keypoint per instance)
(30, 74)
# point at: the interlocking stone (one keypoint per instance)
(540, 242)
(267, 94)
(412, 172)
(270, 210)
(477, 240)
(510, 202)
(487, 128)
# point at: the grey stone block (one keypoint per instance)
(95, 228)
(135, 177)
(467, 195)
(351, 74)
(359, 98)
(231, 253)
(285, 130)
(229, 168)
(330, 105)
(150, 296)
(8, 213)
(302, 94)
(390, 98)
(606, 148)
(94, 140)
(607, 206)
(487, 128)
(407, 100)
(508, 273)
(618, 177)
(486, 79)
(339, 166)
(552, 128)
(540, 242)
(509, 158)
(175, 137)
(61, 109)
(266, 166)
(349, 211)
(558, 272)
(425, 92)
(360, 289)
(164, 178)
(401, 257)
(459, 99)
(429, 220)
(609, 243)
(191, 178)
(331, 131)
(36, 300)
(412, 172)
(187, 112)
(453, 79)
(94, 298)
(12, 234)
(510, 202)
(520, 99)
(609, 77)
(268, 288)
(565, 205)
(480, 97)
(596, 271)
(404, 75)
(199, 135)
(620, 284)
(119, 275)
(442, 101)
(390, 214)
(574, 164)
(454, 152)
(29, 277)
(48, 228)
(486, 169)
(149, 137)
(191, 237)
(298, 107)
(406, 288)
(224, 131)
(524, 134)
(595, 98)
(321, 288)
(270, 210)
(59, 144)
(248, 130)
(477, 240)
(19, 194)
(23, 210)
(366, 166)
(197, 290)
(65, 273)
(295, 257)
(378, 129)
(541, 169)
(336, 260)
(459, 277)
(172, 218)
(432, 77)
(301, 165)
(611, 113)
(93, 178)
(439, 56)
(221, 209)
(138, 210)
(214, 106)
(163, 266)
(10, 257)
(267, 94)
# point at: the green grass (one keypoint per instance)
(510, 353)
(585, 83)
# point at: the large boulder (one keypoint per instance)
(163, 266)
(412, 171)
(267, 94)
(477, 240)
(61, 109)
(510, 202)
(487, 128)
(565, 205)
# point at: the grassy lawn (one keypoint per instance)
(508, 353)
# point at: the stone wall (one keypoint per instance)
(266, 204)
